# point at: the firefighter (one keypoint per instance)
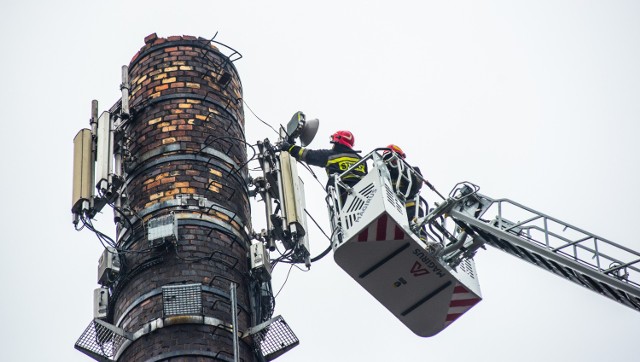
(416, 181)
(335, 160)
(412, 199)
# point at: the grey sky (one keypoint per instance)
(533, 101)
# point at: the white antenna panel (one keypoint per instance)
(82, 171)
(292, 193)
(104, 152)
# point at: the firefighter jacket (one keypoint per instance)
(335, 160)
(416, 183)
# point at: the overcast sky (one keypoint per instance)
(534, 101)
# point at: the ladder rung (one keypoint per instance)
(582, 271)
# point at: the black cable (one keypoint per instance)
(304, 164)
(284, 257)
(285, 282)
(259, 119)
(114, 207)
(249, 159)
(208, 143)
(101, 237)
(321, 255)
(299, 268)
(134, 234)
(266, 286)
(324, 253)
(315, 222)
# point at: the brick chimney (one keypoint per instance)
(186, 162)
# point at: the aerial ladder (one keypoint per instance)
(591, 261)
(422, 270)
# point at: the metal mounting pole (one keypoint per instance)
(94, 117)
(234, 318)
(266, 170)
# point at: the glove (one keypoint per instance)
(285, 146)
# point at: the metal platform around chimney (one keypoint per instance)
(273, 338)
(101, 341)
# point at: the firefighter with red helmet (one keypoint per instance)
(337, 159)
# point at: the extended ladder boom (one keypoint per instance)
(586, 259)
(422, 270)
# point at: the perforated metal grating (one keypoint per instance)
(185, 299)
(100, 341)
(275, 339)
(354, 209)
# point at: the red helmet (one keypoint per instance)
(396, 149)
(344, 138)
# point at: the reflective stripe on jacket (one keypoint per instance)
(340, 162)
(335, 160)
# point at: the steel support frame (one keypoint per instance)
(549, 254)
